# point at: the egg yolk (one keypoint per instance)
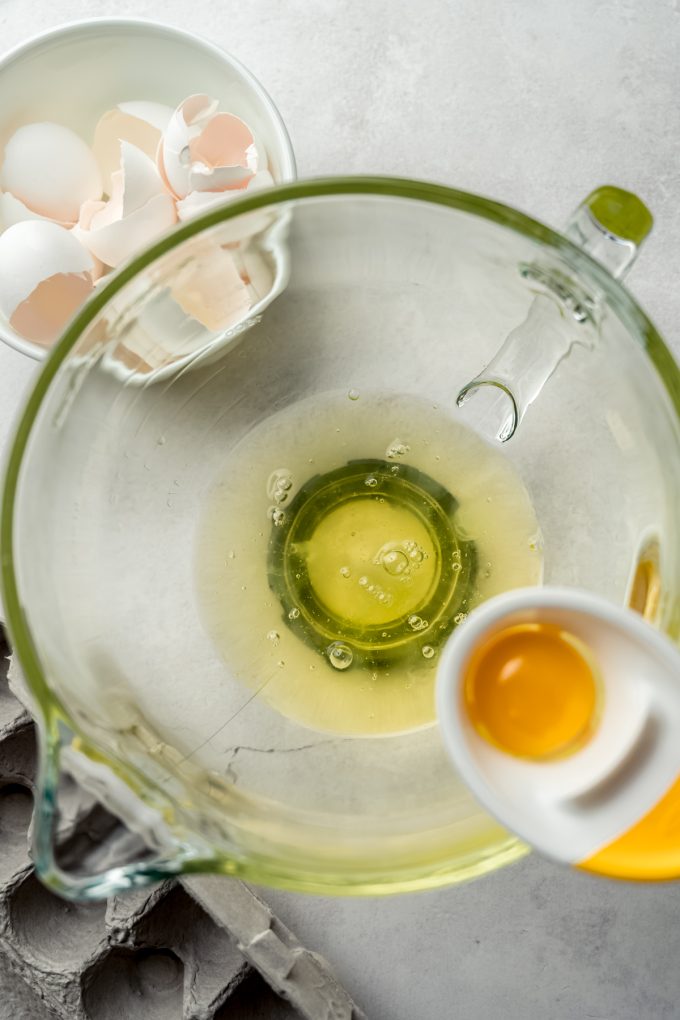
(531, 691)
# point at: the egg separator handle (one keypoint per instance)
(102, 799)
(610, 225)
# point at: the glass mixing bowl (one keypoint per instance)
(370, 290)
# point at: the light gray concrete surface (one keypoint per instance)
(533, 942)
(533, 102)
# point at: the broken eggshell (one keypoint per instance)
(45, 275)
(212, 288)
(49, 171)
(198, 202)
(12, 211)
(214, 155)
(203, 150)
(138, 211)
(139, 122)
(177, 328)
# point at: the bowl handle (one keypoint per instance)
(610, 225)
(58, 746)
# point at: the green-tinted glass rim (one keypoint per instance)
(387, 187)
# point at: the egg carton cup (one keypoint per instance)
(203, 948)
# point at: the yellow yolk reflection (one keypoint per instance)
(531, 691)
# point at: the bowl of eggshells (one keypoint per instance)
(112, 132)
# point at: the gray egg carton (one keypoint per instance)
(200, 948)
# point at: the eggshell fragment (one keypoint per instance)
(198, 202)
(211, 289)
(139, 122)
(197, 289)
(50, 170)
(157, 115)
(12, 211)
(45, 274)
(138, 211)
(203, 150)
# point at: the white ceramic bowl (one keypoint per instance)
(74, 73)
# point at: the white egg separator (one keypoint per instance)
(613, 805)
